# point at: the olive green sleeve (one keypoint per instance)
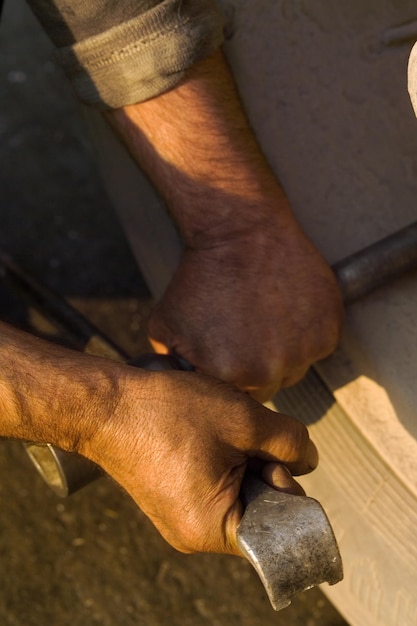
(118, 53)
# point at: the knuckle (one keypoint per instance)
(299, 442)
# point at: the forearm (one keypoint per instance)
(197, 146)
(52, 394)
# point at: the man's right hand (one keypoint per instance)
(180, 442)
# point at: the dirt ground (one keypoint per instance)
(93, 559)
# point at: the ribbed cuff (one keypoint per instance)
(145, 56)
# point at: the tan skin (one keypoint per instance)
(252, 302)
(178, 442)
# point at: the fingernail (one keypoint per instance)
(287, 471)
(312, 456)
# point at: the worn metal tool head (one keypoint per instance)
(63, 472)
(289, 541)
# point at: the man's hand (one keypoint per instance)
(256, 311)
(253, 302)
(179, 443)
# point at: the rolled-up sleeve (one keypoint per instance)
(117, 53)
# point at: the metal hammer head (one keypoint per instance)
(289, 541)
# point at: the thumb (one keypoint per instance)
(159, 334)
(159, 347)
(164, 340)
(283, 439)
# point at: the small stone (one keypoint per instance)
(16, 76)
(78, 541)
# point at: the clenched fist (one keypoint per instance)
(256, 310)
(180, 442)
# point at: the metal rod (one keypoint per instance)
(378, 264)
(81, 332)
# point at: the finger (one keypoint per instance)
(159, 334)
(265, 393)
(284, 439)
(158, 346)
(294, 376)
(166, 344)
(279, 477)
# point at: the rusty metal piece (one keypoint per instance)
(289, 541)
(378, 264)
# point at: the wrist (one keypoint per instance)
(222, 217)
(122, 424)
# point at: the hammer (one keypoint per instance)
(288, 539)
